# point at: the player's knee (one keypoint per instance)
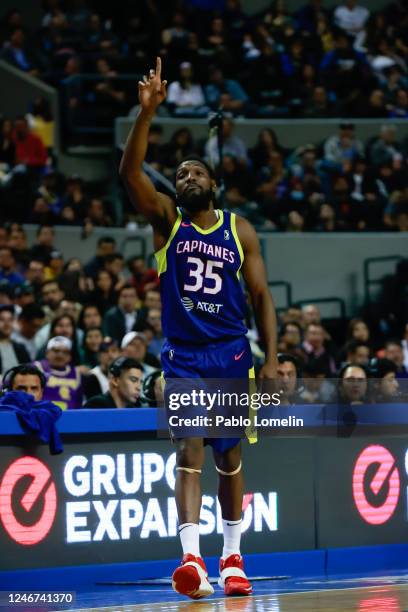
(190, 454)
(229, 461)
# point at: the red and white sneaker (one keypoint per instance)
(232, 576)
(191, 578)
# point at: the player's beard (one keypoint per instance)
(194, 200)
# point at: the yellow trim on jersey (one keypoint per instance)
(237, 240)
(211, 229)
(251, 432)
(161, 255)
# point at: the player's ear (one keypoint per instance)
(213, 186)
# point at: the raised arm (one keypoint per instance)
(158, 208)
(254, 273)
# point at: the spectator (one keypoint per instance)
(352, 18)
(227, 93)
(96, 382)
(154, 320)
(52, 297)
(122, 318)
(233, 145)
(7, 146)
(30, 150)
(125, 385)
(96, 214)
(108, 95)
(41, 122)
(185, 97)
(143, 278)
(44, 244)
(386, 148)
(106, 246)
(357, 353)
(64, 381)
(316, 388)
(313, 348)
(63, 325)
(55, 266)
(8, 267)
(400, 109)
(308, 15)
(89, 352)
(393, 352)
(175, 39)
(104, 295)
(74, 203)
(90, 317)
(376, 106)
(27, 378)
(134, 346)
(358, 330)
(290, 340)
(267, 143)
(311, 314)
(353, 384)
(319, 105)
(48, 199)
(386, 387)
(114, 264)
(345, 146)
(272, 189)
(23, 295)
(30, 321)
(18, 243)
(287, 378)
(345, 72)
(15, 52)
(11, 353)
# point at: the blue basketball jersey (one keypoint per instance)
(202, 296)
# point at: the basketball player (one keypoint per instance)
(200, 252)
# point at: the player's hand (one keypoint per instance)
(152, 90)
(268, 370)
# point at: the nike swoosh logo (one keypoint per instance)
(185, 224)
(238, 357)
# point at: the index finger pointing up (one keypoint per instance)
(158, 67)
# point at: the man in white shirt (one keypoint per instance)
(352, 18)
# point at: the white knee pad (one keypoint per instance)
(229, 473)
(188, 470)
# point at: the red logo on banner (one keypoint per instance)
(386, 475)
(40, 490)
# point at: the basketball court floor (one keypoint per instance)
(373, 593)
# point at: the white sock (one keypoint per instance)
(232, 537)
(190, 538)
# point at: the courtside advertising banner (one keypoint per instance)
(109, 502)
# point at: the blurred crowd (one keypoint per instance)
(83, 324)
(340, 184)
(312, 62)
(344, 63)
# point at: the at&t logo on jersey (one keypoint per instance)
(187, 303)
(203, 306)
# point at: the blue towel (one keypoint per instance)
(35, 417)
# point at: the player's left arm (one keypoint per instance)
(254, 273)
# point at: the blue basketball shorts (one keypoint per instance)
(216, 360)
